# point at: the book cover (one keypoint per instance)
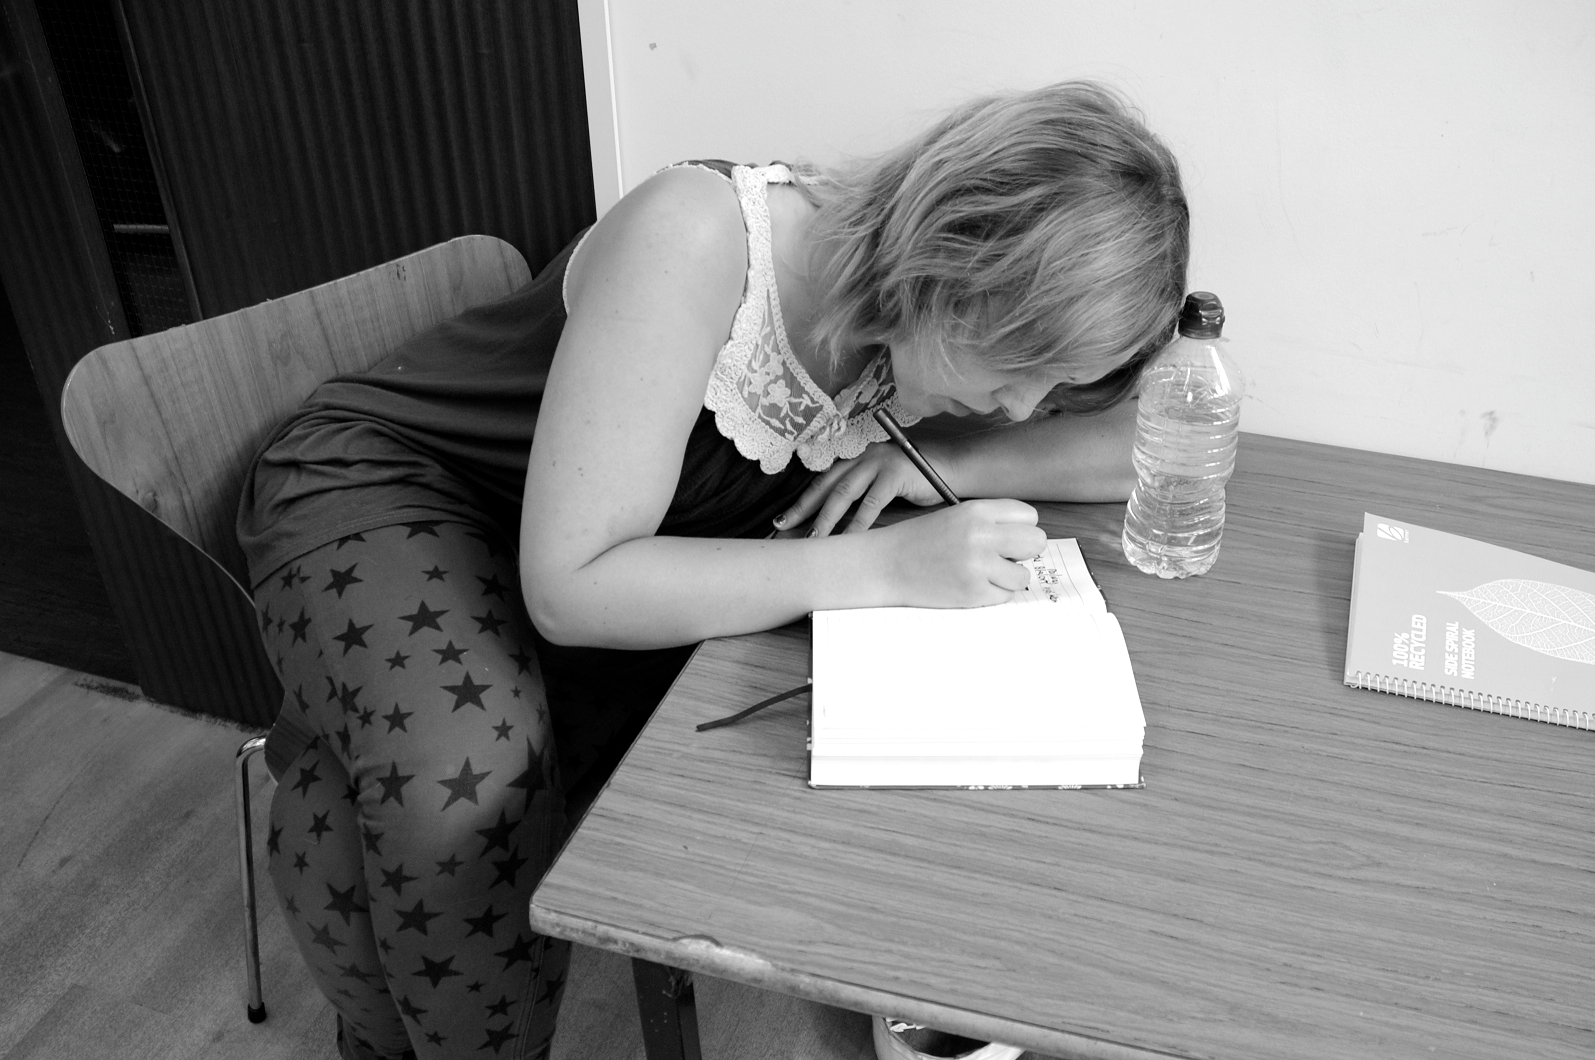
(1445, 618)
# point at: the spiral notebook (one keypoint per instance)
(1448, 619)
(1034, 693)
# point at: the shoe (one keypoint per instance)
(899, 1040)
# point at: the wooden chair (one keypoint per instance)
(171, 420)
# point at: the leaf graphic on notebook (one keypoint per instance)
(1548, 618)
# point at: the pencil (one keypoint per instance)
(895, 430)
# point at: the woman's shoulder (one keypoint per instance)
(682, 224)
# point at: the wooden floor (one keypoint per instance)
(120, 916)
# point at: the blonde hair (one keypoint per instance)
(1040, 229)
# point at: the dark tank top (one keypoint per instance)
(442, 428)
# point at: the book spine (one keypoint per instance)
(1459, 697)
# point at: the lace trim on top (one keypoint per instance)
(763, 399)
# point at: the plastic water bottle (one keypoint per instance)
(1186, 427)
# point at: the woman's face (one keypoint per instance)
(930, 384)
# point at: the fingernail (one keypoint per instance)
(814, 531)
(780, 520)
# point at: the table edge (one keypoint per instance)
(702, 953)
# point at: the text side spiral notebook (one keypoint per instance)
(1445, 618)
(1034, 693)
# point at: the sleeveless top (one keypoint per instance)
(442, 427)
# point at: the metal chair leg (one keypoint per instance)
(246, 869)
(669, 1011)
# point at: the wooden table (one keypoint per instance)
(1311, 870)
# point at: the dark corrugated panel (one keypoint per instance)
(306, 140)
(192, 636)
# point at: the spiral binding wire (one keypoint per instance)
(1459, 697)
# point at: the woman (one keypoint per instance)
(445, 588)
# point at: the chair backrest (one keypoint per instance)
(172, 419)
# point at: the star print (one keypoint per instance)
(332, 690)
(346, 698)
(448, 867)
(483, 925)
(435, 1038)
(373, 840)
(497, 1039)
(489, 623)
(397, 660)
(464, 785)
(348, 538)
(503, 727)
(288, 576)
(265, 619)
(509, 868)
(422, 526)
(393, 784)
(343, 738)
(436, 574)
(467, 691)
(351, 795)
(550, 991)
(386, 947)
(352, 637)
(323, 937)
(520, 950)
(290, 905)
(516, 691)
(501, 1007)
(343, 903)
(354, 971)
(307, 777)
(436, 971)
(494, 548)
(493, 587)
(319, 826)
(366, 716)
(523, 662)
(396, 880)
(498, 835)
(449, 653)
(273, 845)
(424, 618)
(531, 778)
(300, 699)
(411, 1010)
(395, 718)
(415, 919)
(341, 580)
(300, 863)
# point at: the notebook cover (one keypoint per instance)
(1446, 618)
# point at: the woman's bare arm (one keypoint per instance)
(652, 296)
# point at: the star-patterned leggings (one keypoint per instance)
(408, 835)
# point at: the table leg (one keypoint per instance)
(668, 1009)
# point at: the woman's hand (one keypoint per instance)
(962, 556)
(872, 480)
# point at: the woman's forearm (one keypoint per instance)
(656, 592)
(1057, 458)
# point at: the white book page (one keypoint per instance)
(1059, 576)
(993, 680)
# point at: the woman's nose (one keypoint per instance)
(1019, 402)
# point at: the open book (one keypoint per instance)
(1033, 693)
(1445, 618)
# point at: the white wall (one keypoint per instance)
(1396, 202)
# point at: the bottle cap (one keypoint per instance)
(1202, 316)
